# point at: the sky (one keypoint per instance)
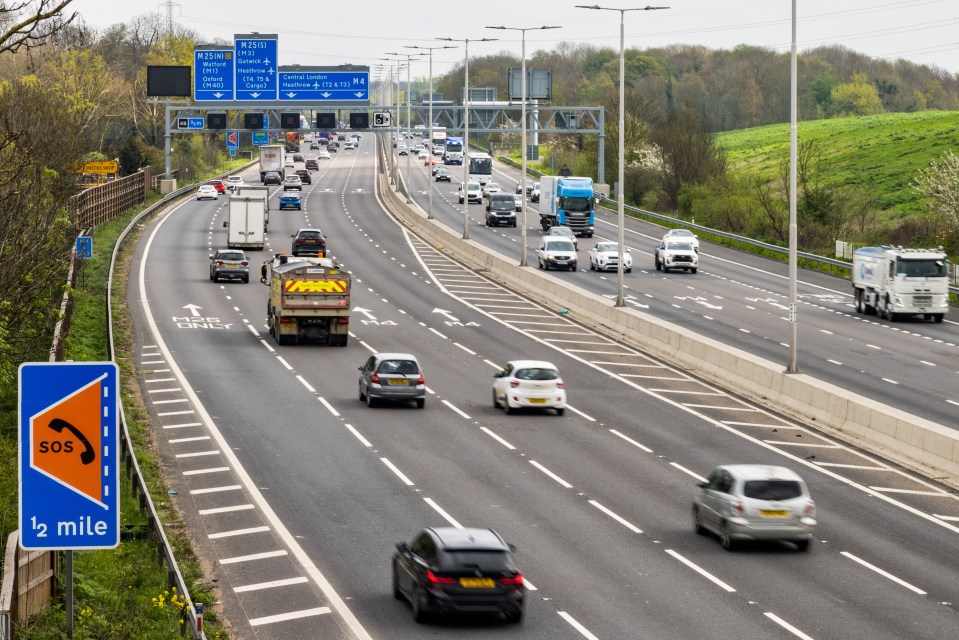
(327, 33)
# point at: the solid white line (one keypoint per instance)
(399, 474)
(708, 406)
(802, 444)
(689, 393)
(695, 567)
(687, 471)
(231, 509)
(884, 574)
(170, 401)
(759, 424)
(469, 351)
(198, 454)
(182, 425)
(329, 407)
(237, 532)
(193, 439)
(953, 402)
(163, 390)
(270, 585)
(202, 471)
(551, 474)
(949, 518)
(160, 380)
(573, 623)
(231, 487)
(255, 556)
(630, 441)
(498, 438)
(785, 625)
(443, 513)
(450, 405)
(305, 383)
(175, 413)
(617, 518)
(152, 362)
(284, 363)
(840, 465)
(359, 436)
(914, 492)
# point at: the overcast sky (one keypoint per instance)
(324, 32)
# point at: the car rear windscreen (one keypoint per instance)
(772, 489)
(482, 560)
(537, 374)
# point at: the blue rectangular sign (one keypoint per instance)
(213, 74)
(69, 455)
(84, 247)
(255, 67)
(340, 86)
(260, 137)
(195, 123)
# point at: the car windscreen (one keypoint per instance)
(606, 246)
(921, 268)
(560, 246)
(493, 560)
(537, 374)
(402, 367)
(772, 489)
(679, 246)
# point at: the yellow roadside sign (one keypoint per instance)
(101, 166)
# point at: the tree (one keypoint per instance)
(856, 98)
(29, 23)
(688, 151)
(939, 186)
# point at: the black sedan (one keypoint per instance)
(442, 173)
(453, 570)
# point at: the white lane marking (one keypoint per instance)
(254, 556)
(759, 424)
(872, 346)
(160, 380)
(827, 332)
(784, 443)
(695, 567)
(272, 584)
(230, 509)
(862, 467)
(284, 363)
(580, 413)
(152, 362)
(709, 406)
(359, 436)
(198, 454)
(953, 402)
(182, 425)
(889, 380)
(438, 333)
(203, 471)
(469, 351)
(252, 330)
(931, 364)
(576, 625)
(529, 585)
(914, 492)
(493, 364)
(616, 517)
(884, 574)
(230, 487)
(237, 532)
(292, 615)
(551, 474)
(443, 513)
(163, 390)
(785, 625)
(399, 474)
(193, 439)
(329, 407)
(687, 471)
(453, 407)
(949, 518)
(170, 401)
(497, 438)
(835, 362)
(630, 441)
(690, 393)
(305, 383)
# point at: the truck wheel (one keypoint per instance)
(938, 317)
(859, 306)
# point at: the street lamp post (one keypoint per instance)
(394, 159)
(409, 57)
(523, 30)
(621, 239)
(466, 125)
(793, 366)
(429, 144)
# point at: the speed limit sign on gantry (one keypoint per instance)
(381, 119)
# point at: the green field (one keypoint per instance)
(878, 154)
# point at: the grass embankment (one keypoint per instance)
(879, 154)
(123, 592)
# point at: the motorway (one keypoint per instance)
(295, 492)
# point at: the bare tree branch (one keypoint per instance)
(43, 20)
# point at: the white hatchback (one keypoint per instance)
(532, 384)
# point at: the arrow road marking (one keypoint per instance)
(773, 301)
(365, 312)
(448, 314)
(195, 310)
(699, 300)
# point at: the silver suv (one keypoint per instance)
(754, 502)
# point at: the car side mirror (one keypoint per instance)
(226, 222)
(402, 547)
(292, 235)
(512, 548)
(211, 256)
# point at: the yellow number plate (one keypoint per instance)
(537, 400)
(398, 381)
(231, 264)
(773, 513)
(477, 583)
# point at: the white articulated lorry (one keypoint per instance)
(246, 223)
(893, 281)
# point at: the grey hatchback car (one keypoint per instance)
(229, 264)
(392, 376)
(754, 502)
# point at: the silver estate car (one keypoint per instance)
(392, 376)
(754, 502)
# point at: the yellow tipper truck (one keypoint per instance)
(309, 301)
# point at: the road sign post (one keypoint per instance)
(69, 455)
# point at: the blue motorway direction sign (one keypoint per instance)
(69, 455)
(340, 86)
(213, 74)
(255, 67)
